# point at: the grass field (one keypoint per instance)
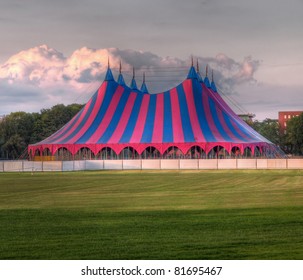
(152, 215)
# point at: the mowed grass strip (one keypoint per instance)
(152, 215)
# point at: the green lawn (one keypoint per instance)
(152, 215)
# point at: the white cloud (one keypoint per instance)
(41, 77)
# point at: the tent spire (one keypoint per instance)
(120, 77)
(192, 74)
(206, 80)
(198, 72)
(143, 86)
(133, 84)
(109, 75)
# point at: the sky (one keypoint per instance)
(55, 51)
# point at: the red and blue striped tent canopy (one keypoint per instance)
(190, 114)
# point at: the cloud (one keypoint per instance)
(43, 76)
(229, 73)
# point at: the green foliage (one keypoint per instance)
(294, 136)
(292, 142)
(152, 215)
(18, 130)
(269, 129)
(15, 130)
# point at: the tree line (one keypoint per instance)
(19, 129)
(291, 142)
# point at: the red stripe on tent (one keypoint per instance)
(72, 129)
(194, 121)
(224, 125)
(124, 119)
(158, 124)
(59, 133)
(138, 130)
(176, 117)
(237, 122)
(108, 115)
(210, 119)
(93, 115)
(224, 107)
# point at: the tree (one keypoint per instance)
(269, 129)
(294, 135)
(51, 120)
(18, 130)
(15, 131)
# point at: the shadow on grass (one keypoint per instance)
(266, 233)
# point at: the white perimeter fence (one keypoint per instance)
(145, 164)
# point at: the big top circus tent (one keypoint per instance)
(191, 120)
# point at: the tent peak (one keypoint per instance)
(133, 84)
(143, 86)
(109, 75)
(192, 74)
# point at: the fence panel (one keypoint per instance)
(113, 164)
(94, 165)
(276, 164)
(13, 166)
(132, 164)
(52, 165)
(208, 164)
(151, 164)
(32, 166)
(170, 164)
(188, 164)
(295, 163)
(155, 164)
(246, 163)
(227, 164)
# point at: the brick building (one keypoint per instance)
(284, 117)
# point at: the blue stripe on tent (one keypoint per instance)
(84, 120)
(58, 135)
(110, 91)
(129, 129)
(197, 89)
(150, 119)
(186, 125)
(217, 121)
(233, 130)
(115, 119)
(167, 119)
(249, 131)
